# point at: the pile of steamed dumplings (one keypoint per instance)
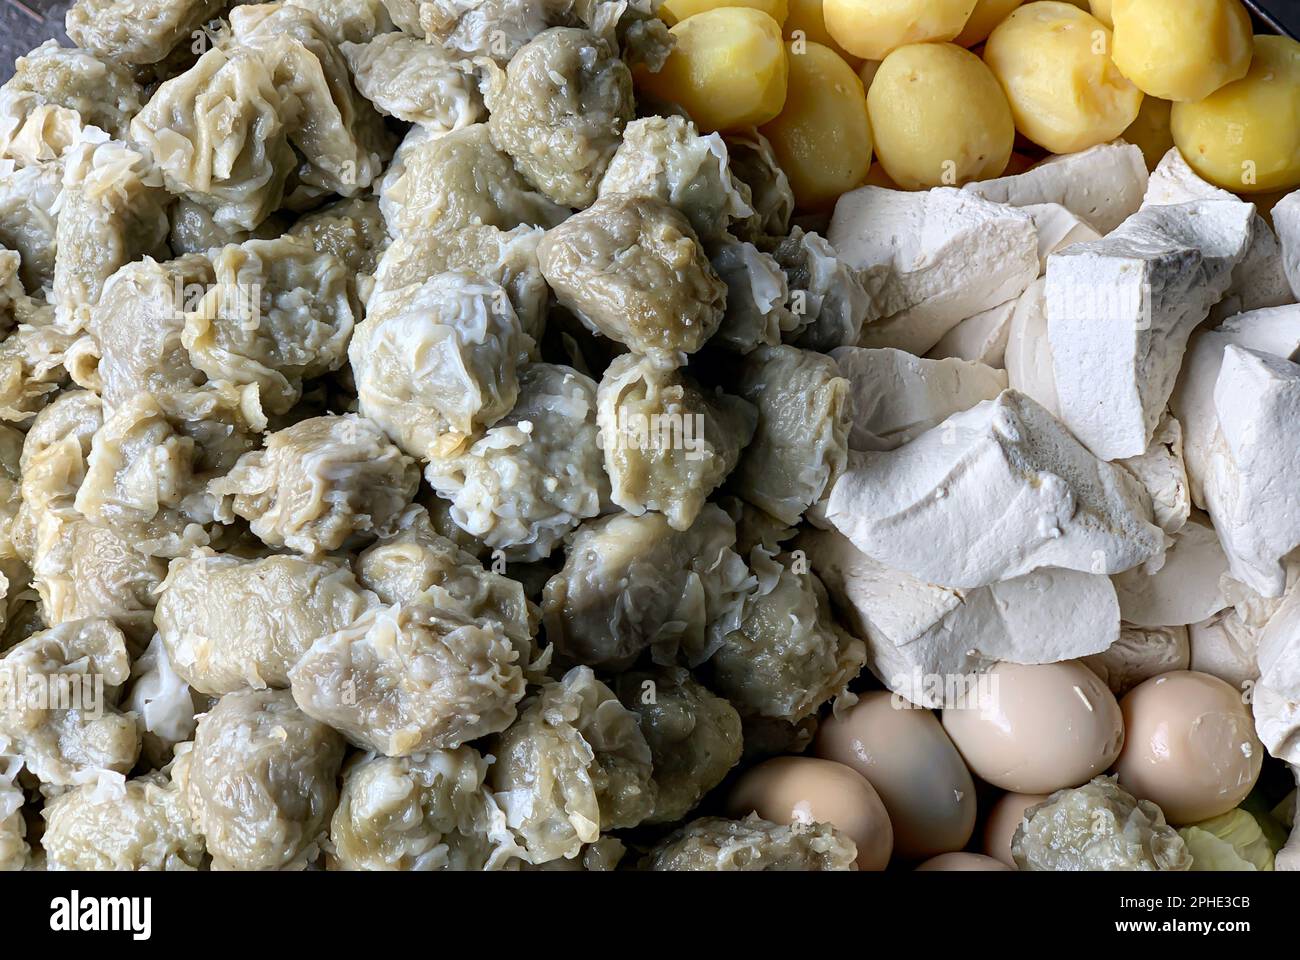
(320, 337)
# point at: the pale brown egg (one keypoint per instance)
(1038, 728)
(964, 862)
(1191, 747)
(809, 790)
(914, 767)
(1003, 819)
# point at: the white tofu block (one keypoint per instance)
(1253, 609)
(895, 396)
(1277, 719)
(1287, 859)
(1251, 488)
(1276, 695)
(1162, 471)
(1259, 280)
(931, 259)
(1174, 181)
(1225, 647)
(991, 494)
(1139, 654)
(1286, 220)
(1057, 228)
(917, 631)
(979, 339)
(1186, 587)
(1120, 311)
(1028, 357)
(1275, 330)
(893, 607)
(1103, 185)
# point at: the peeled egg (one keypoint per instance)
(918, 773)
(1038, 728)
(807, 790)
(964, 862)
(1004, 817)
(1191, 749)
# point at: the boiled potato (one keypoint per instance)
(1053, 61)
(988, 14)
(1246, 136)
(939, 117)
(675, 11)
(1101, 10)
(1150, 131)
(872, 29)
(728, 69)
(1181, 49)
(806, 22)
(822, 138)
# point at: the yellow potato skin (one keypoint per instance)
(807, 19)
(822, 139)
(1151, 131)
(1245, 137)
(872, 29)
(1053, 61)
(1181, 49)
(987, 15)
(728, 69)
(1101, 10)
(674, 12)
(939, 117)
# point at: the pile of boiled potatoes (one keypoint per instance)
(942, 92)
